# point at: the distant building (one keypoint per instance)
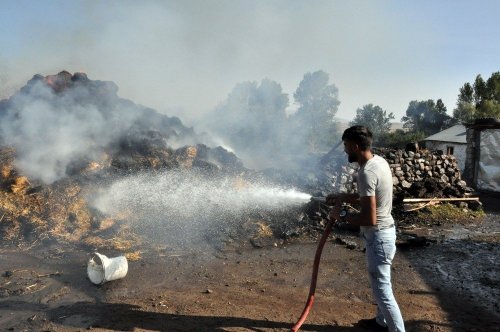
(452, 141)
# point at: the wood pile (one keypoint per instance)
(436, 173)
(422, 174)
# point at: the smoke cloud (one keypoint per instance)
(49, 131)
(58, 121)
(185, 56)
(253, 121)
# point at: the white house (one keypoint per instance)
(452, 141)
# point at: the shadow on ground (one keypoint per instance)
(126, 317)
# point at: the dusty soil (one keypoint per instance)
(450, 284)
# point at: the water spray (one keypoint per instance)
(181, 206)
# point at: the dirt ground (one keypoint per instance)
(451, 284)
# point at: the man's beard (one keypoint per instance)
(352, 158)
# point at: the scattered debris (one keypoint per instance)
(133, 256)
(413, 204)
(406, 240)
(49, 274)
(349, 244)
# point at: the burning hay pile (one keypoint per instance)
(104, 207)
(62, 137)
(33, 213)
(82, 166)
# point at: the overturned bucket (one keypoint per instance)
(101, 268)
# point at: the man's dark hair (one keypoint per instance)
(360, 135)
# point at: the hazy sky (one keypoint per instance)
(184, 57)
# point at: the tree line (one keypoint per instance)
(254, 120)
(480, 99)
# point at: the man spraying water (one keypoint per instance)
(376, 222)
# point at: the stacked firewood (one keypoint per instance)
(425, 173)
(415, 174)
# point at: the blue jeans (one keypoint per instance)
(380, 250)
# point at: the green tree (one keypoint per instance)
(480, 100)
(489, 104)
(465, 109)
(466, 93)
(375, 118)
(313, 123)
(464, 112)
(427, 117)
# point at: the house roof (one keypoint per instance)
(455, 134)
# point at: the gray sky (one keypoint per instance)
(184, 57)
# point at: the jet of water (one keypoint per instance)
(175, 203)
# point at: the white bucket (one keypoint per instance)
(101, 268)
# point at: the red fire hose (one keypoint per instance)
(312, 289)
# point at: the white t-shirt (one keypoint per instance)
(375, 179)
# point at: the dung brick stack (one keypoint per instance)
(415, 174)
(435, 170)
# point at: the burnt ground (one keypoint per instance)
(450, 284)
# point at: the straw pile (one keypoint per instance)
(31, 213)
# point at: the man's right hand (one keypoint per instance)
(331, 199)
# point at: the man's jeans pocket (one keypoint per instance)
(380, 247)
(384, 250)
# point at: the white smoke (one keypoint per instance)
(50, 131)
(186, 55)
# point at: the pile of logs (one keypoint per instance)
(422, 174)
(409, 167)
